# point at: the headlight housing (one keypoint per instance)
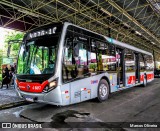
(16, 83)
(52, 85)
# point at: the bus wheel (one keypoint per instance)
(145, 81)
(103, 90)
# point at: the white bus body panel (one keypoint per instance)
(78, 90)
(52, 97)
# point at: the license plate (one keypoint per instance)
(29, 99)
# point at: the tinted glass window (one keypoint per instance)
(85, 56)
(75, 60)
(141, 60)
(38, 56)
(149, 62)
(129, 60)
(102, 56)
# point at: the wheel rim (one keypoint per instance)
(103, 90)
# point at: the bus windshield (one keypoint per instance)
(38, 56)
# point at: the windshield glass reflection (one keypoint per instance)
(38, 56)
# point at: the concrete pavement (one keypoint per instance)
(137, 104)
(8, 98)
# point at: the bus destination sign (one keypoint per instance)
(42, 33)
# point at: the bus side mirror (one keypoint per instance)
(9, 45)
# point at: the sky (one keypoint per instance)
(3, 32)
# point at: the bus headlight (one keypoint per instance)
(50, 86)
(53, 84)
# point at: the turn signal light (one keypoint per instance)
(17, 82)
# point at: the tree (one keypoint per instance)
(1, 61)
(14, 35)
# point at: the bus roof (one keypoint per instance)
(113, 41)
(116, 42)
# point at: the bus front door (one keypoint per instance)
(120, 68)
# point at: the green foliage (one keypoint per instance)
(0, 77)
(1, 56)
(92, 66)
(15, 35)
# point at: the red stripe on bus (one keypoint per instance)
(150, 76)
(141, 77)
(131, 79)
(32, 87)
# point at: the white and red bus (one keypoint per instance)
(62, 64)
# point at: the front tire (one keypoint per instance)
(103, 90)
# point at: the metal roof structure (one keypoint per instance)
(136, 22)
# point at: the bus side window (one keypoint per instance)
(129, 60)
(102, 56)
(112, 57)
(92, 57)
(67, 64)
(75, 59)
(149, 64)
(141, 60)
(81, 55)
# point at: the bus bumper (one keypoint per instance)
(53, 97)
